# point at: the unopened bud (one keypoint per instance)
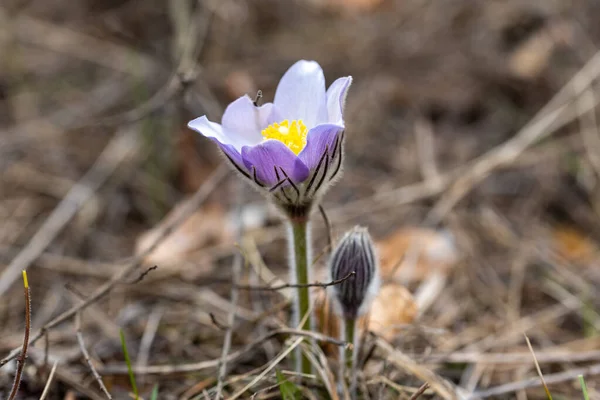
(355, 264)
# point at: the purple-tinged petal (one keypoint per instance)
(301, 94)
(215, 131)
(233, 154)
(336, 100)
(319, 138)
(271, 155)
(244, 119)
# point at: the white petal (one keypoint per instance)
(336, 100)
(242, 118)
(213, 130)
(301, 94)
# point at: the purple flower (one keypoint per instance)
(292, 147)
(354, 261)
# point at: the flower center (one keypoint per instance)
(292, 134)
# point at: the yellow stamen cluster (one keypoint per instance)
(292, 134)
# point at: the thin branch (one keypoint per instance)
(23, 356)
(49, 381)
(216, 323)
(419, 392)
(235, 276)
(537, 366)
(199, 366)
(142, 275)
(296, 285)
(557, 113)
(559, 377)
(148, 337)
(118, 150)
(441, 386)
(199, 197)
(86, 355)
(273, 364)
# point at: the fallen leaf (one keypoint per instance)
(348, 6)
(393, 308)
(204, 227)
(412, 254)
(530, 59)
(573, 244)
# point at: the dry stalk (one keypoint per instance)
(87, 357)
(209, 364)
(537, 367)
(296, 285)
(199, 197)
(550, 379)
(23, 355)
(121, 147)
(235, 276)
(442, 387)
(419, 392)
(49, 381)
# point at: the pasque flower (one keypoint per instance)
(291, 148)
(354, 255)
(354, 263)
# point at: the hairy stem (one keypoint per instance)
(349, 354)
(299, 260)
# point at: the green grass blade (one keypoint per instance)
(586, 396)
(129, 369)
(288, 390)
(154, 395)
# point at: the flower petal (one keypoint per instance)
(244, 119)
(301, 94)
(268, 156)
(318, 139)
(233, 154)
(336, 100)
(215, 131)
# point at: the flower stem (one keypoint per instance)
(349, 354)
(301, 255)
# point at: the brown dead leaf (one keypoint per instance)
(573, 244)
(348, 6)
(206, 226)
(392, 309)
(532, 57)
(425, 251)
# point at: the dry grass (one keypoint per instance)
(478, 117)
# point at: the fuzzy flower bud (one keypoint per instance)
(355, 253)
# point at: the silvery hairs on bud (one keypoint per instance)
(355, 253)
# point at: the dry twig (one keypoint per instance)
(235, 276)
(199, 366)
(23, 356)
(297, 285)
(87, 357)
(537, 367)
(116, 152)
(199, 197)
(442, 387)
(49, 381)
(419, 392)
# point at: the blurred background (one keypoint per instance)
(472, 154)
